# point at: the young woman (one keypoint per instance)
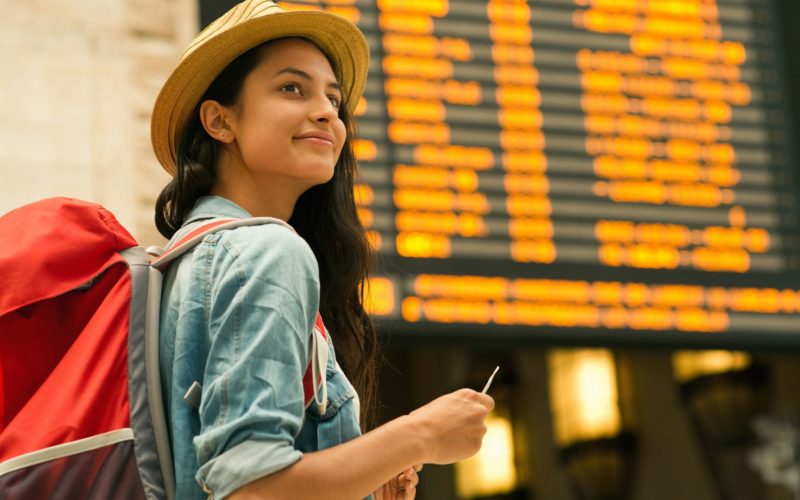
(255, 121)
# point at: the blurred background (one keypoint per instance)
(599, 196)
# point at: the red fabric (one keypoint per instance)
(308, 377)
(319, 324)
(39, 238)
(63, 354)
(203, 228)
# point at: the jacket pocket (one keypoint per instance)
(339, 394)
(339, 423)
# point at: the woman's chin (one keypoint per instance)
(320, 179)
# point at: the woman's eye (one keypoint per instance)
(335, 100)
(292, 88)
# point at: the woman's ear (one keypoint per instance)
(215, 119)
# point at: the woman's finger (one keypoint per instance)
(390, 492)
(397, 482)
(411, 477)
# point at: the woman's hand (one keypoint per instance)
(452, 425)
(400, 487)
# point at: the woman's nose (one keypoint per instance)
(323, 110)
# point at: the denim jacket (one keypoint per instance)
(236, 317)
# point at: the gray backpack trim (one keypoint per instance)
(151, 439)
(58, 451)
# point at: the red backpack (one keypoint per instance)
(81, 412)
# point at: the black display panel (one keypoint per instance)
(589, 170)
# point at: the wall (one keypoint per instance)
(79, 80)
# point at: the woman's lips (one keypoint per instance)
(320, 138)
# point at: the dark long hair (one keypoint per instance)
(325, 216)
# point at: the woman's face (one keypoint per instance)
(286, 121)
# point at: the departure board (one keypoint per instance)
(602, 170)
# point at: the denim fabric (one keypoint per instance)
(236, 317)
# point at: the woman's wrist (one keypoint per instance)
(415, 431)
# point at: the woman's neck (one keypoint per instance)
(257, 200)
(260, 194)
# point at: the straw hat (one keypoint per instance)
(245, 26)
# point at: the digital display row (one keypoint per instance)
(545, 169)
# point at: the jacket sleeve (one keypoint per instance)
(262, 301)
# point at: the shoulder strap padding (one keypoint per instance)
(196, 235)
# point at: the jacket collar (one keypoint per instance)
(215, 207)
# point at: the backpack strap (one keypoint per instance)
(314, 379)
(197, 234)
(316, 371)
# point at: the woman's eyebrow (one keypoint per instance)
(302, 74)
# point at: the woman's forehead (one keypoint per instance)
(298, 53)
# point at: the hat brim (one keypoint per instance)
(340, 40)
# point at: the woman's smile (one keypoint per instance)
(317, 138)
